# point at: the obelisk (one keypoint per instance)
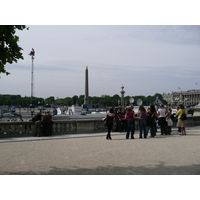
(86, 99)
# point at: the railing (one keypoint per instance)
(18, 129)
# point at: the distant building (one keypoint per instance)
(187, 98)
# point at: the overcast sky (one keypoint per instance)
(144, 59)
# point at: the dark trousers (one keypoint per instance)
(153, 130)
(130, 128)
(110, 126)
(169, 130)
(38, 128)
(142, 128)
(47, 128)
(124, 125)
(163, 125)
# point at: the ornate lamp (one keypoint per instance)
(32, 108)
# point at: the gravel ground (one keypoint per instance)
(94, 155)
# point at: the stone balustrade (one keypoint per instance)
(17, 129)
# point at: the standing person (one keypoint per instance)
(162, 120)
(177, 108)
(117, 120)
(151, 120)
(38, 124)
(130, 118)
(55, 112)
(109, 122)
(47, 124)
(169, 121)
(122, 120)
(148, 119)
(181, 122)
(142, 120)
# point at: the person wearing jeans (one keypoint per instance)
(130, 117)
(142, 120)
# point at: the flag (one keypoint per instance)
(32, 53)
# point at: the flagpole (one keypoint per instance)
(32, 75)
(32, 54)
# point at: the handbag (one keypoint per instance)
(169, 122)
(106, 120)
(183, 117)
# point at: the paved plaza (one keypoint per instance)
(92, 154)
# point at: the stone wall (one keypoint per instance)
(24, 129)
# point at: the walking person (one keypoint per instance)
(130, 118)
(142, 120)
(181, 114)
(109, 123)
(162, 120)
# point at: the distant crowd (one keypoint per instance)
(149, 119)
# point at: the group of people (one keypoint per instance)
(43, 124)
(148, 119)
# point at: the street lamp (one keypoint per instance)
(32, 108)
(48, 106)
(122, 98)
(40, 106)
(20, 110)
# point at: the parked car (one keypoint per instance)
(8, 115)
(83, 112)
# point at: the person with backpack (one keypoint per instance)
(142, 120)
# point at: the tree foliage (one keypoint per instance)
(75, 100)
(10, 51)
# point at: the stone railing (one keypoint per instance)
(17, 129)
(23, 129)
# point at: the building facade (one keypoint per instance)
(187, 98)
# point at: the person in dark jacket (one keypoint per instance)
(109, 122)
(47, 124)
(38, 124)
(151, 120)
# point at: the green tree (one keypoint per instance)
(10, 51)
(49, 100)
(75, 99)
(68, 101)
(81, 99)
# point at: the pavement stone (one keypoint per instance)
(92, 154)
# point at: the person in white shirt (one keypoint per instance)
(162, 120)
